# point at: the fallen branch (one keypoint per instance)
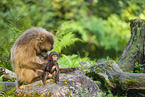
(118, 81)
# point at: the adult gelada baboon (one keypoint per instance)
(25, 54)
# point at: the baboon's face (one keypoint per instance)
(54, 57)
(45, 46)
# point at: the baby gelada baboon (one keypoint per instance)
(52, 68)
(26, 52)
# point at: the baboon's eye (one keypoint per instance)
(41, 39)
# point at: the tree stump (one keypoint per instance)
(119, 82)
(135, 49)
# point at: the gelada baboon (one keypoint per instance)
(25, 54)
(52, 68)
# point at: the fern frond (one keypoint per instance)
(65, 36)
(67, 58)
(69, 61)
(64, 41)
(74, 27)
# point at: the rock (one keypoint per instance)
(6, 86)
(7, 74)
(74, 84)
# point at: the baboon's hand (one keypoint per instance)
(44, 67)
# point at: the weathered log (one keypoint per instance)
(135, 49)
(74, 84)
(7, 74)
(117, 81)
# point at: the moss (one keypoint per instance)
(109, 63)
(98, 83)
(97, 69)
(50, 94)
(116, 79)
(109, 66)
(28, 89)
(65, 82)
(40, 84)
(131, 81)
(34, 94)
(112, 61)
(143, 81)
(119, 79)
(140, 22)
(53, 81)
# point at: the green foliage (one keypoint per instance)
(63, 38)
(109, 94)
(73, 61)
(138, 68)
(102, 25)
(96, 22)
(12, 80)
(110, 33)
(108, 58)
(75, 27)
(12, 31)
(1, 79)
(10, 93)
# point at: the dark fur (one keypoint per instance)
(66, 70)
(52, 68)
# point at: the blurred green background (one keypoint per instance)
(84, 29)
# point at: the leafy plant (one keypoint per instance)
(109, 94)
(106, 28)
(63, 38)
(138, 68)
(73, 60)
(110, 33)
(8, 36)
(10, 93)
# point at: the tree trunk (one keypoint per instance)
(134, 51)
(119, 82)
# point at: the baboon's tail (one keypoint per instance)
(66, 70)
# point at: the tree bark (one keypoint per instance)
(135, 49)
(117, 81)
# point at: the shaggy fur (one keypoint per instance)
(25, 54)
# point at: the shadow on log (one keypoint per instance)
(119, 82)
(135, 49)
